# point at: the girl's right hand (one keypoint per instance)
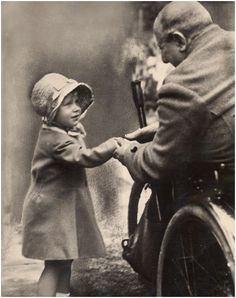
(114, 143)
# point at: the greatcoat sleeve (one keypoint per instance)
(182, 117)
(70, 151)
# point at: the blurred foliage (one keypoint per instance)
(149, 11)
(141, 53)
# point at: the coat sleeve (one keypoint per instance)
(182, 118)
(69, 151)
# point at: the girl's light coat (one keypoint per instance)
(58, 216)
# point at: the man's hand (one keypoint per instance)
(143, 135)
(122, 146)
(134, 135)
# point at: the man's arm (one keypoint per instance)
(182, 117)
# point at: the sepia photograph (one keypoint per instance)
(118, 148)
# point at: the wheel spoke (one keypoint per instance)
(209, 274)
(183, 274)
(197, 262)
(192, 263)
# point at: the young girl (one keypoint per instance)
(58, 218)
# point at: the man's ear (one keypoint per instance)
(181, 40)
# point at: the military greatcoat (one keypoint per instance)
(196, 112)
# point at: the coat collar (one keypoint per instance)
(73, 133)
(205, 36)
(54, 128)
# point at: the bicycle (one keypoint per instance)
(196, 255)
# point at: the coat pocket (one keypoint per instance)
(33, 208)
(39, 202)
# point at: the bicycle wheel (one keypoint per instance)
(197, 253)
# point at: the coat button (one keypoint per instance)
(134, 149)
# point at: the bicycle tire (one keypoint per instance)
(219, 225)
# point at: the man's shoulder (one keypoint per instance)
(229, 36)
(178, 76)
(210, 64)
(206, 52)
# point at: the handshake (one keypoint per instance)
(122, 145)
(132, 140)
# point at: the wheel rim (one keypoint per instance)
(195, 263)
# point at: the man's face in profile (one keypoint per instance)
(170, 49)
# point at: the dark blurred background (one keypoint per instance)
(84, 41)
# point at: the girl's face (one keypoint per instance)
(68, 114)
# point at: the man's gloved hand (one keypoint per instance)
(143, 135)
(134, 135)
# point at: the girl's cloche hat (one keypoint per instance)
(49, 92)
